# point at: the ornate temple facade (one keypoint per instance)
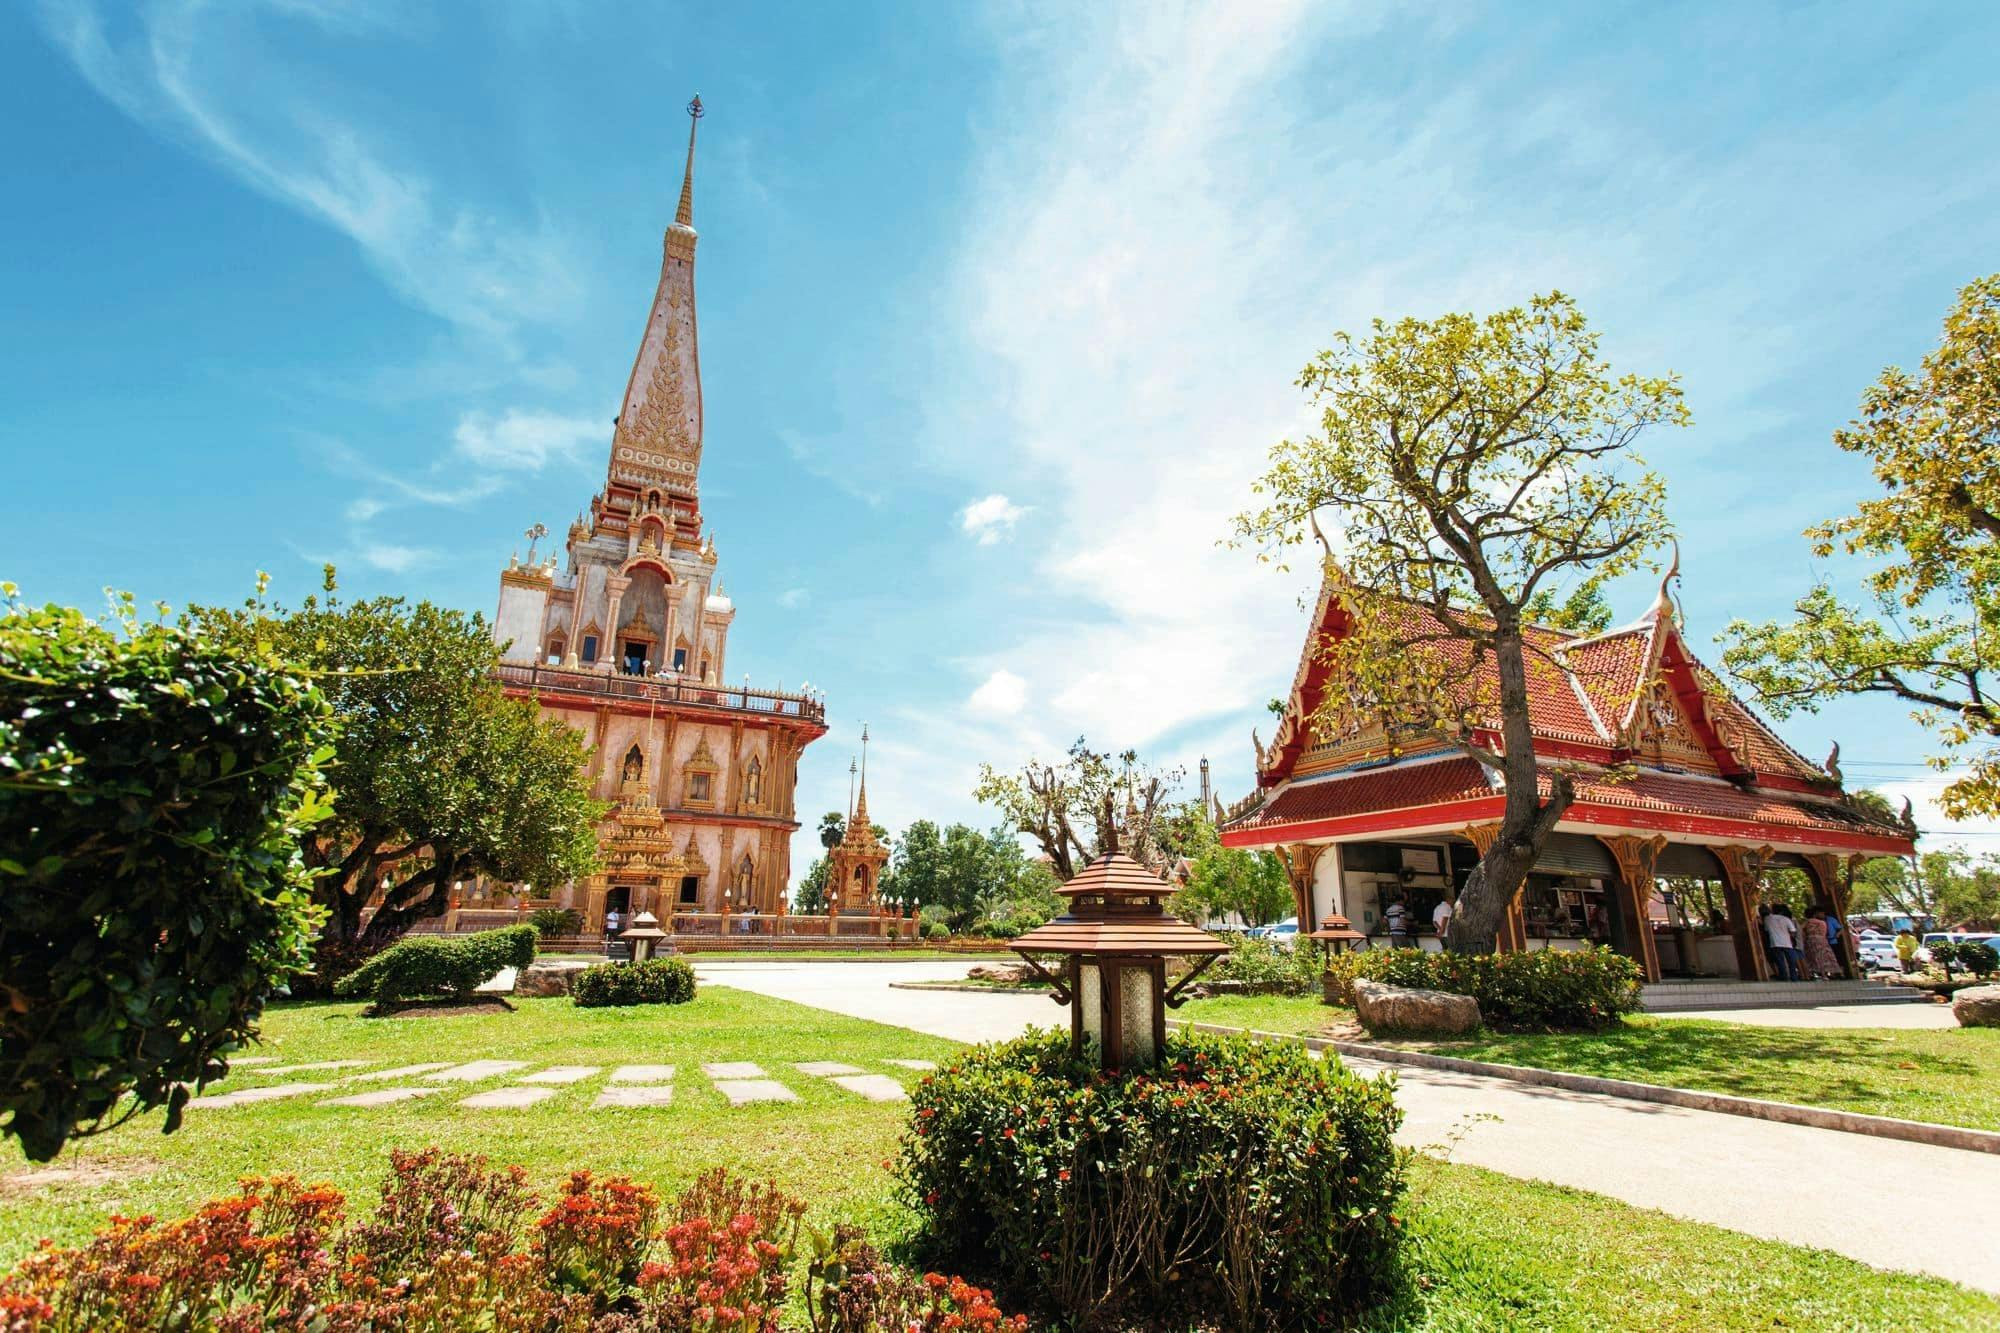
(1686, 802)
(626, 639)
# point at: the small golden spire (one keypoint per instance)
(684, 215)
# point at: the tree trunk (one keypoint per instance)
(1527, 820)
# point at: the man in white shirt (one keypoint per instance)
(1441, 918)
(1783, 932)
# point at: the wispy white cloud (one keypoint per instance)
(394, 559)
(217, 78)
(1978, 836)
(1001, 694)
(793, 598)
(990, 519)
(523, 441)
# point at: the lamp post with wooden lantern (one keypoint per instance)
(1116, 939)
(1337, 933)
(644, 935)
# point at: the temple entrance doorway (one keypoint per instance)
(619, 899)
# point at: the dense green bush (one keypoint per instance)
(936, 930)
(1974, 956)
(421, 966)
(1235, 1184)
(1544, 990)
(655, 981)
(153, 790)
(552, 921)
(1282, 970)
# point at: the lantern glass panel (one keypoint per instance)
(1135, 1011)
(1089, 1000)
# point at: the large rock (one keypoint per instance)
(549, 976)
(1977, 1007)
(1399, 1009)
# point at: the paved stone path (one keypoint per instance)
(743, 1091)
(477, 1071)
(659, 1095)
(381, 1097)
(403, 1071)
(246, 1096)
(875, 1087)
(1814, 1187)
(571, 1074)
(272, 1071)
(733, 1069)
(508, 1099)
(643, 1074)
(824, 1068)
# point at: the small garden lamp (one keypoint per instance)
(1337, 933)
(644, 935)
(1116, 938)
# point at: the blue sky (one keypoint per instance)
(1000, 307)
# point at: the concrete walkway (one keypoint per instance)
(1912, 1015)
(1813, 1187)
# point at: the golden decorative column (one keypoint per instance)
(1636, 858)
(1743, 867)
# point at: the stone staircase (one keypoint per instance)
(1720, 993)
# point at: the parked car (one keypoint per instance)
(1284, 934)
(1878, 951)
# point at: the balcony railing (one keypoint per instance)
(660, 690)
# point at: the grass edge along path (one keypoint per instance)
(1941, 1076)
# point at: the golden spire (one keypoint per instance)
(861, 802)
(684, 215)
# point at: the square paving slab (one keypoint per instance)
(825, 1068)
(653, 1096)
(733, 1069)
(478, 1069)
(266, 1094)
(507, 1099)
(741, 1091)
(316, 1064)
(913, 1064)
(562, 1074)
(643, 1074)
(401, 1071)
(875, 1087)
(381, 1097)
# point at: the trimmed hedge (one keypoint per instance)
(1547, 990)
(655, 981)
(154, 789)
(1235, 1185)
(423, 966)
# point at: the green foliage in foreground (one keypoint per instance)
(153, 790)
(1578, 990)
(655, 981)
(1236, 1184)
(434, 965)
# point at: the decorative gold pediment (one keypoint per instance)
(703, 757)
(691, 859)
(638, 624)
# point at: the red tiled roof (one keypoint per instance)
(1420, 786)
(1581, 691)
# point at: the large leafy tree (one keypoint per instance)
(1929, 634)
(959, 873)
(1063, 805)
(437, 775)
(1225, 880)
(1950, 887)
(1467, 466)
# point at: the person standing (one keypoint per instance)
(1441, 918)
(612, 920)
(1822, 964)
(1782, 933)
(1906, 948)
(1398, 917)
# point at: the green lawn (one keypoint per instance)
(1946, 1076)
(827, 1147)
(1489, 1251)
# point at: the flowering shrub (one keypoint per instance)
(1237, 1184)
(655, 981)
(1546, 990)
(449, 1248)
(850, 1289)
